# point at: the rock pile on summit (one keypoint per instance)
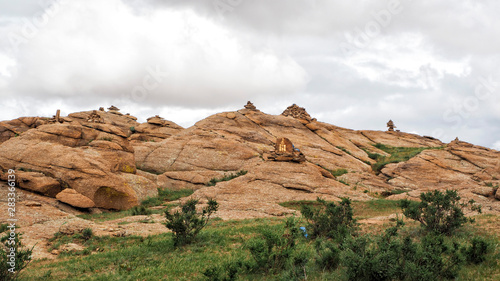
(298, 112)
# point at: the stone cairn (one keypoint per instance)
(156, 120)
(115, 110)
(95, 117)
(391, 126)
(298, 112)
(284, 150)
(250, 106)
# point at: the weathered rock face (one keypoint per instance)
(156, 129)
(472, 170)
(232, 141)
(14, 128)
(95, 160)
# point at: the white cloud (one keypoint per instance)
(105, 49)
(496, 145)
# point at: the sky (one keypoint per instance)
(432, 66)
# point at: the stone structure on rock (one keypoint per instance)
(58, 116)
(101, 108)
(95, 117)
(115, 110)
(391, 126)
(284, 150)
(156, 120)
(298, 112)
(250, 106)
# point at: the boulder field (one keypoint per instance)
(106, 159)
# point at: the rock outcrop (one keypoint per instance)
(156, 129)
(94, 160)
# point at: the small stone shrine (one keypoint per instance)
(284, 150)
(391, 126)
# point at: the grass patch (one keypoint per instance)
(166, 195)
(338, 172)
(397, 154)
(156, 258)
(344, 150)
(227, 177)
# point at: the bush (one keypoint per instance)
(187, 223)
(140, 211)
(273, 250)
(328, 254)
(439, 212)
(87, 233)
(330, 220)
(476, 253)
(226, 272)
(389, 257)
(22, 257)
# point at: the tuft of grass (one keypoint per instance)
(140, 211)
(166, 195)
(338, 172)
(343, 181)
(227, 177)
(3, 227)
(344, 150)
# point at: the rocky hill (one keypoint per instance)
(97, 160)
(105, 159)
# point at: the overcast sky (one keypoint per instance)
(431, 66)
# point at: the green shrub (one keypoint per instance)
(439, 212)
(390, 257)
(328, 254)
(132, 129)
(273, 251)
(22, 257)
(227, 177)
(87, 233)
(476, 253)
(329, 220)
(140, 211)
(187, 223)
(228, 271)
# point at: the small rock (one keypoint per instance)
(33, 204)
(55, 252)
